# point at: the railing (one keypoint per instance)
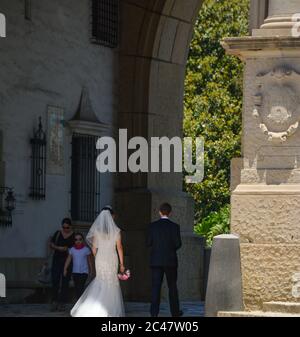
(85, 179)
(38, 164)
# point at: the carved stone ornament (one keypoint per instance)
(276, 104)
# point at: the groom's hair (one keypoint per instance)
(165, 209)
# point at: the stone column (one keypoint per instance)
(258, 13)
(280, 18)
(265, 208)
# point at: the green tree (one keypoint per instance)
(213, 100)
(214, 224)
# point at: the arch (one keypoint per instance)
(154, 45)
(155, 39)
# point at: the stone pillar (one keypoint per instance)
(258, 13)
(281, 13)
(265, 204)
(280, 18)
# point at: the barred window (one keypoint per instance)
(85, 179)
(38, 164)
(105, 22)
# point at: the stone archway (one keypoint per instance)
(155, 38)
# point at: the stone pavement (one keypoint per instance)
(191, 309)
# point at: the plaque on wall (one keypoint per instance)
(55, 144)
(276, 103)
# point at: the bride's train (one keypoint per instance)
(100, 299)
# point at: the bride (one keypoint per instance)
(103, 297)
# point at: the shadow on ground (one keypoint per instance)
(191, 309)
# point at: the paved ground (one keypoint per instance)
(191, 309)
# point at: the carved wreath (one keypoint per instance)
(275, 108)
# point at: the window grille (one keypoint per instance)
(105, 22)
(38, 164)
(85, 179)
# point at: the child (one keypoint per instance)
(81, 256)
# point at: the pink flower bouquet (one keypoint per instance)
(124, 276)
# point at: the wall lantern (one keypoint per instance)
(8, 204)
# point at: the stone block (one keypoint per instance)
(133, 21)
(285, 307)
(254, 314)
(167, 39)
(236, 166)
(169, 4)
(266, 214)
(182, 205)
(166, 100)
(207, 254)
(190, 269)
(224, 290)
(270, 273)
(185, 10)
(180, 49)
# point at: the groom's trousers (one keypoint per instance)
(157, 279)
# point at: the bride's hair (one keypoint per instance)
(108, 208)
(103, 228)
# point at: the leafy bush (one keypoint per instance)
(213, 100)
(214, 224)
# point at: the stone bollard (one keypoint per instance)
(224, 288)
(2, 286)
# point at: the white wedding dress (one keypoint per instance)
(103, 296)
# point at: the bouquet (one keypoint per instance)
(124, 276)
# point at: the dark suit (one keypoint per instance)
(164, 240)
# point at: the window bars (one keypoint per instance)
(38, 164)
(105, 22)
(85, 179)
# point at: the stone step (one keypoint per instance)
(255, 314)
(286, 307)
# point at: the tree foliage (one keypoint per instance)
(214, 224)
(213, 99)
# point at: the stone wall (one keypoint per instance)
(46, 61)
(270, 273)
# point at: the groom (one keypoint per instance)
(164, 240)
